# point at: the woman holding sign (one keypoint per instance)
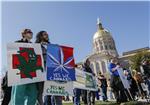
(27, 92)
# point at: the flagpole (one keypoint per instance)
(130, 93)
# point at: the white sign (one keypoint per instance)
(85, 81)
(58, 88)
(144, 87)
(25, 63)
(123, 78)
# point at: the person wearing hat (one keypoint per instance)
(27, 92)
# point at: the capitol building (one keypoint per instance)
(104, 49)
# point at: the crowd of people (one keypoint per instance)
(32, 94)
(113, 88)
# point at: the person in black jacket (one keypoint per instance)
(88, 96)
(115, 81)
(146, 68)
(103, 85)
(6, 90)
(43, 39)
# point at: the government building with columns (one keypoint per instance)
(104, 49)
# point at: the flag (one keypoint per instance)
(60, 63)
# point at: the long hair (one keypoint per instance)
(39, 37)
(85, 65)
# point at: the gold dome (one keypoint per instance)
(103, 41)
(101, 33)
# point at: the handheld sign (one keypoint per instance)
(58, 88)
(123, 78)
(85, 81)
(60, 63)
(25, 63)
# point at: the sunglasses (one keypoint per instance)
(45, 34)
(29, 32)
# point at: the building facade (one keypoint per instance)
(104, 49)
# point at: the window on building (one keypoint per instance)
(92, 66)
(103, 67)
(106, 47)
(100, 43)
(101, 47)
(110, 47)
(97, 67)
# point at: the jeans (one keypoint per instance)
(77, 93)
(104, 91)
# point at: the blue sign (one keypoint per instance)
(60, 63)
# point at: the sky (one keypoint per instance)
(74, 23)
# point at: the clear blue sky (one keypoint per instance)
(74, 23)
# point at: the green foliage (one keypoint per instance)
(137, 59)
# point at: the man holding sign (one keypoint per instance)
(116, 82)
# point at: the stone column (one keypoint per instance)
(94, 67)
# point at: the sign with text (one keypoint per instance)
(123, 78)
(58, 88)
(60, 63)
(85, 81)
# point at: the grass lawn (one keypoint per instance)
(114, 103)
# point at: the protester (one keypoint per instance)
(146, 87)
(111, 95)
(133, 86)
(28, 92)
(77, 94)
(146, 68)
(89, 96)
(139, 80)
(43, 39)
(98, 86)
(6, 90)
(103, 86)
(116, 83)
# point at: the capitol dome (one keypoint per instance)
(101, 33)
(103, 41)
(103, 50)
